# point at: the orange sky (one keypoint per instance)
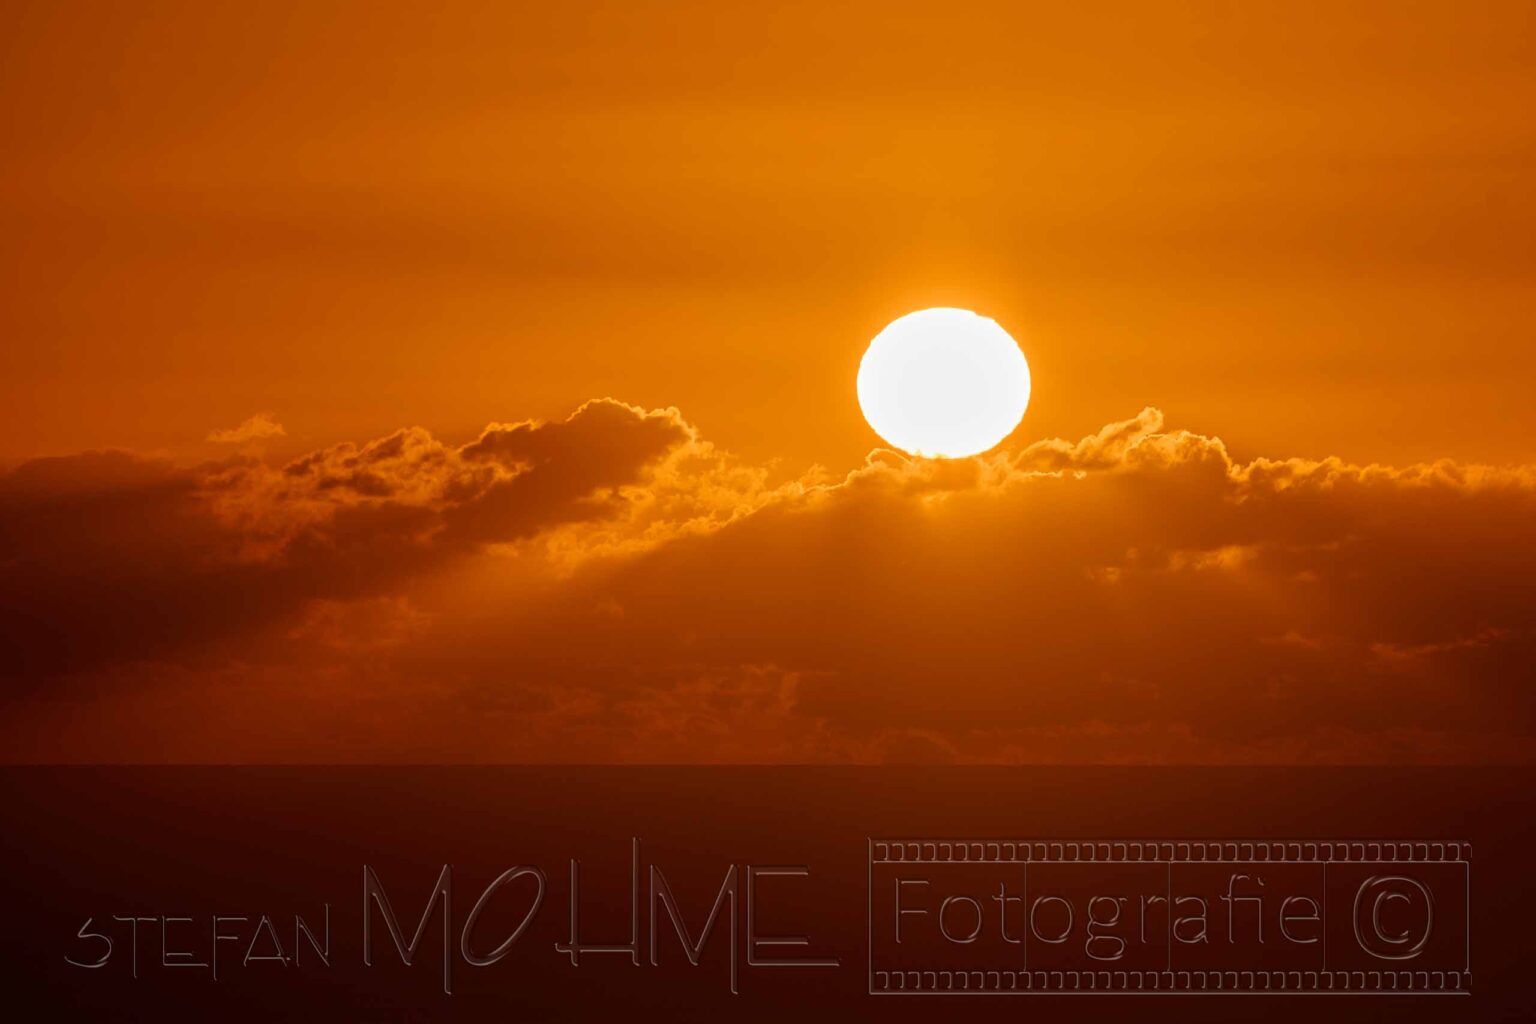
(1302, 228)
(1251, 252)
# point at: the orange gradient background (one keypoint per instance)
(269, 273)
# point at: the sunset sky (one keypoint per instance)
(477, 383)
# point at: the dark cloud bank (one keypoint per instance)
(612, 588)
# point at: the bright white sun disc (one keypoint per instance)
(943, 383)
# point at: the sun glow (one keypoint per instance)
(943, 383)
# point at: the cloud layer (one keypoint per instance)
(610, 587)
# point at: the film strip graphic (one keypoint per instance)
(951, 916)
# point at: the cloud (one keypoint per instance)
(109, 557)
(255, 428)
(611, 587)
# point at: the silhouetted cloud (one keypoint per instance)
(611, 587)
(108, 556)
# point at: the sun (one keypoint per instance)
(943, 383)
